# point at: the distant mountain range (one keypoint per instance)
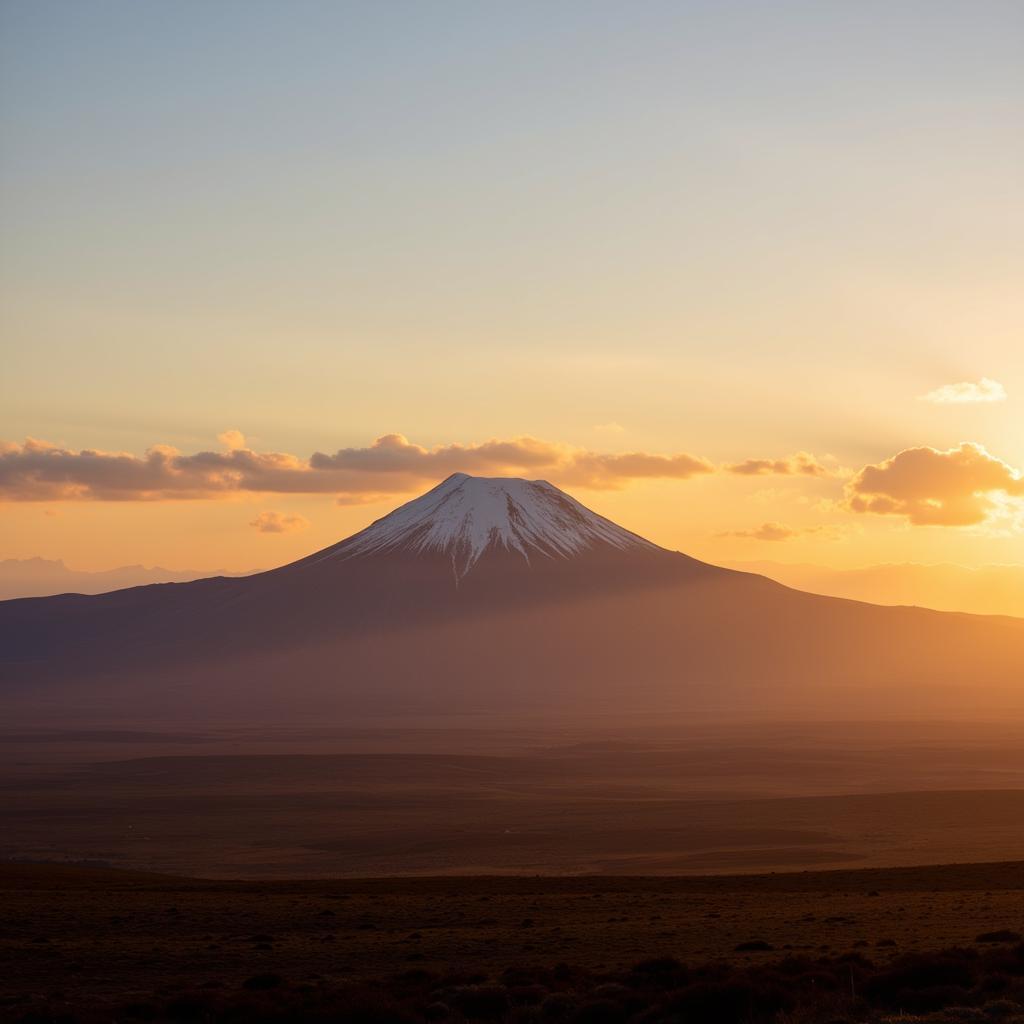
(497, 597)
(43, 577)
(987, 590)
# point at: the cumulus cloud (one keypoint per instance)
(963, 486)
(393, 455)
(278, 522)
(984, 390)
(41, 471)
(232, 439)
(798, 464)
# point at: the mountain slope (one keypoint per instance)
(42, 577)
(983, 590)
(492, 596)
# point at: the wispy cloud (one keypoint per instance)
(278, 522)
(798, 464)
(780, 532)
(984, 390)
(766, 531)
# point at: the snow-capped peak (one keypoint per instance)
(466, 515)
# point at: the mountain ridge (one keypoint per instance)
(45, 577)
(532, 620)
(992, 589)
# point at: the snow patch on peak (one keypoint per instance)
(464, 516)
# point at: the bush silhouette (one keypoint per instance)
(261, 982)
(1005, 935)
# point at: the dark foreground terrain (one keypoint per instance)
(682, 799)
(939, 944)
(534, 873)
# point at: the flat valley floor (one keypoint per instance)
(467, 798)
(515, 874)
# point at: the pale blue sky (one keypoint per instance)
(724, 226)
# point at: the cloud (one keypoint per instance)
(605, 472)
(984, 390)
(232, 439)
(799, 464)
(611, 427)
(963, 486)
(525, 456)
(277, 522)
(778, 531)
(766, 531)
(41, 471)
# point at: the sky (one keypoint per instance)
(743, 277)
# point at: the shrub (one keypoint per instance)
(726, 1002)
(260, 982)
(659, 965)
(481, 1002)
(1000, 1008)
(951, 972)
(557, 1006)
(139, 1011)
(604, 1011)
(1003, 935)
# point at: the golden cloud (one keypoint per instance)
(966, 391)
(798, 464)
(278, 522)
(963, 486)
(779, 532)
(766, 531)
(41, 471)
(232, 439)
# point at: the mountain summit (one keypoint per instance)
(466, 516)
(490, 596)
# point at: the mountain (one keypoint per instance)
(496, 597)
(467, 517)
(44, 577)
(985, 590)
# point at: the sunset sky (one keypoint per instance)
(745, 278)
